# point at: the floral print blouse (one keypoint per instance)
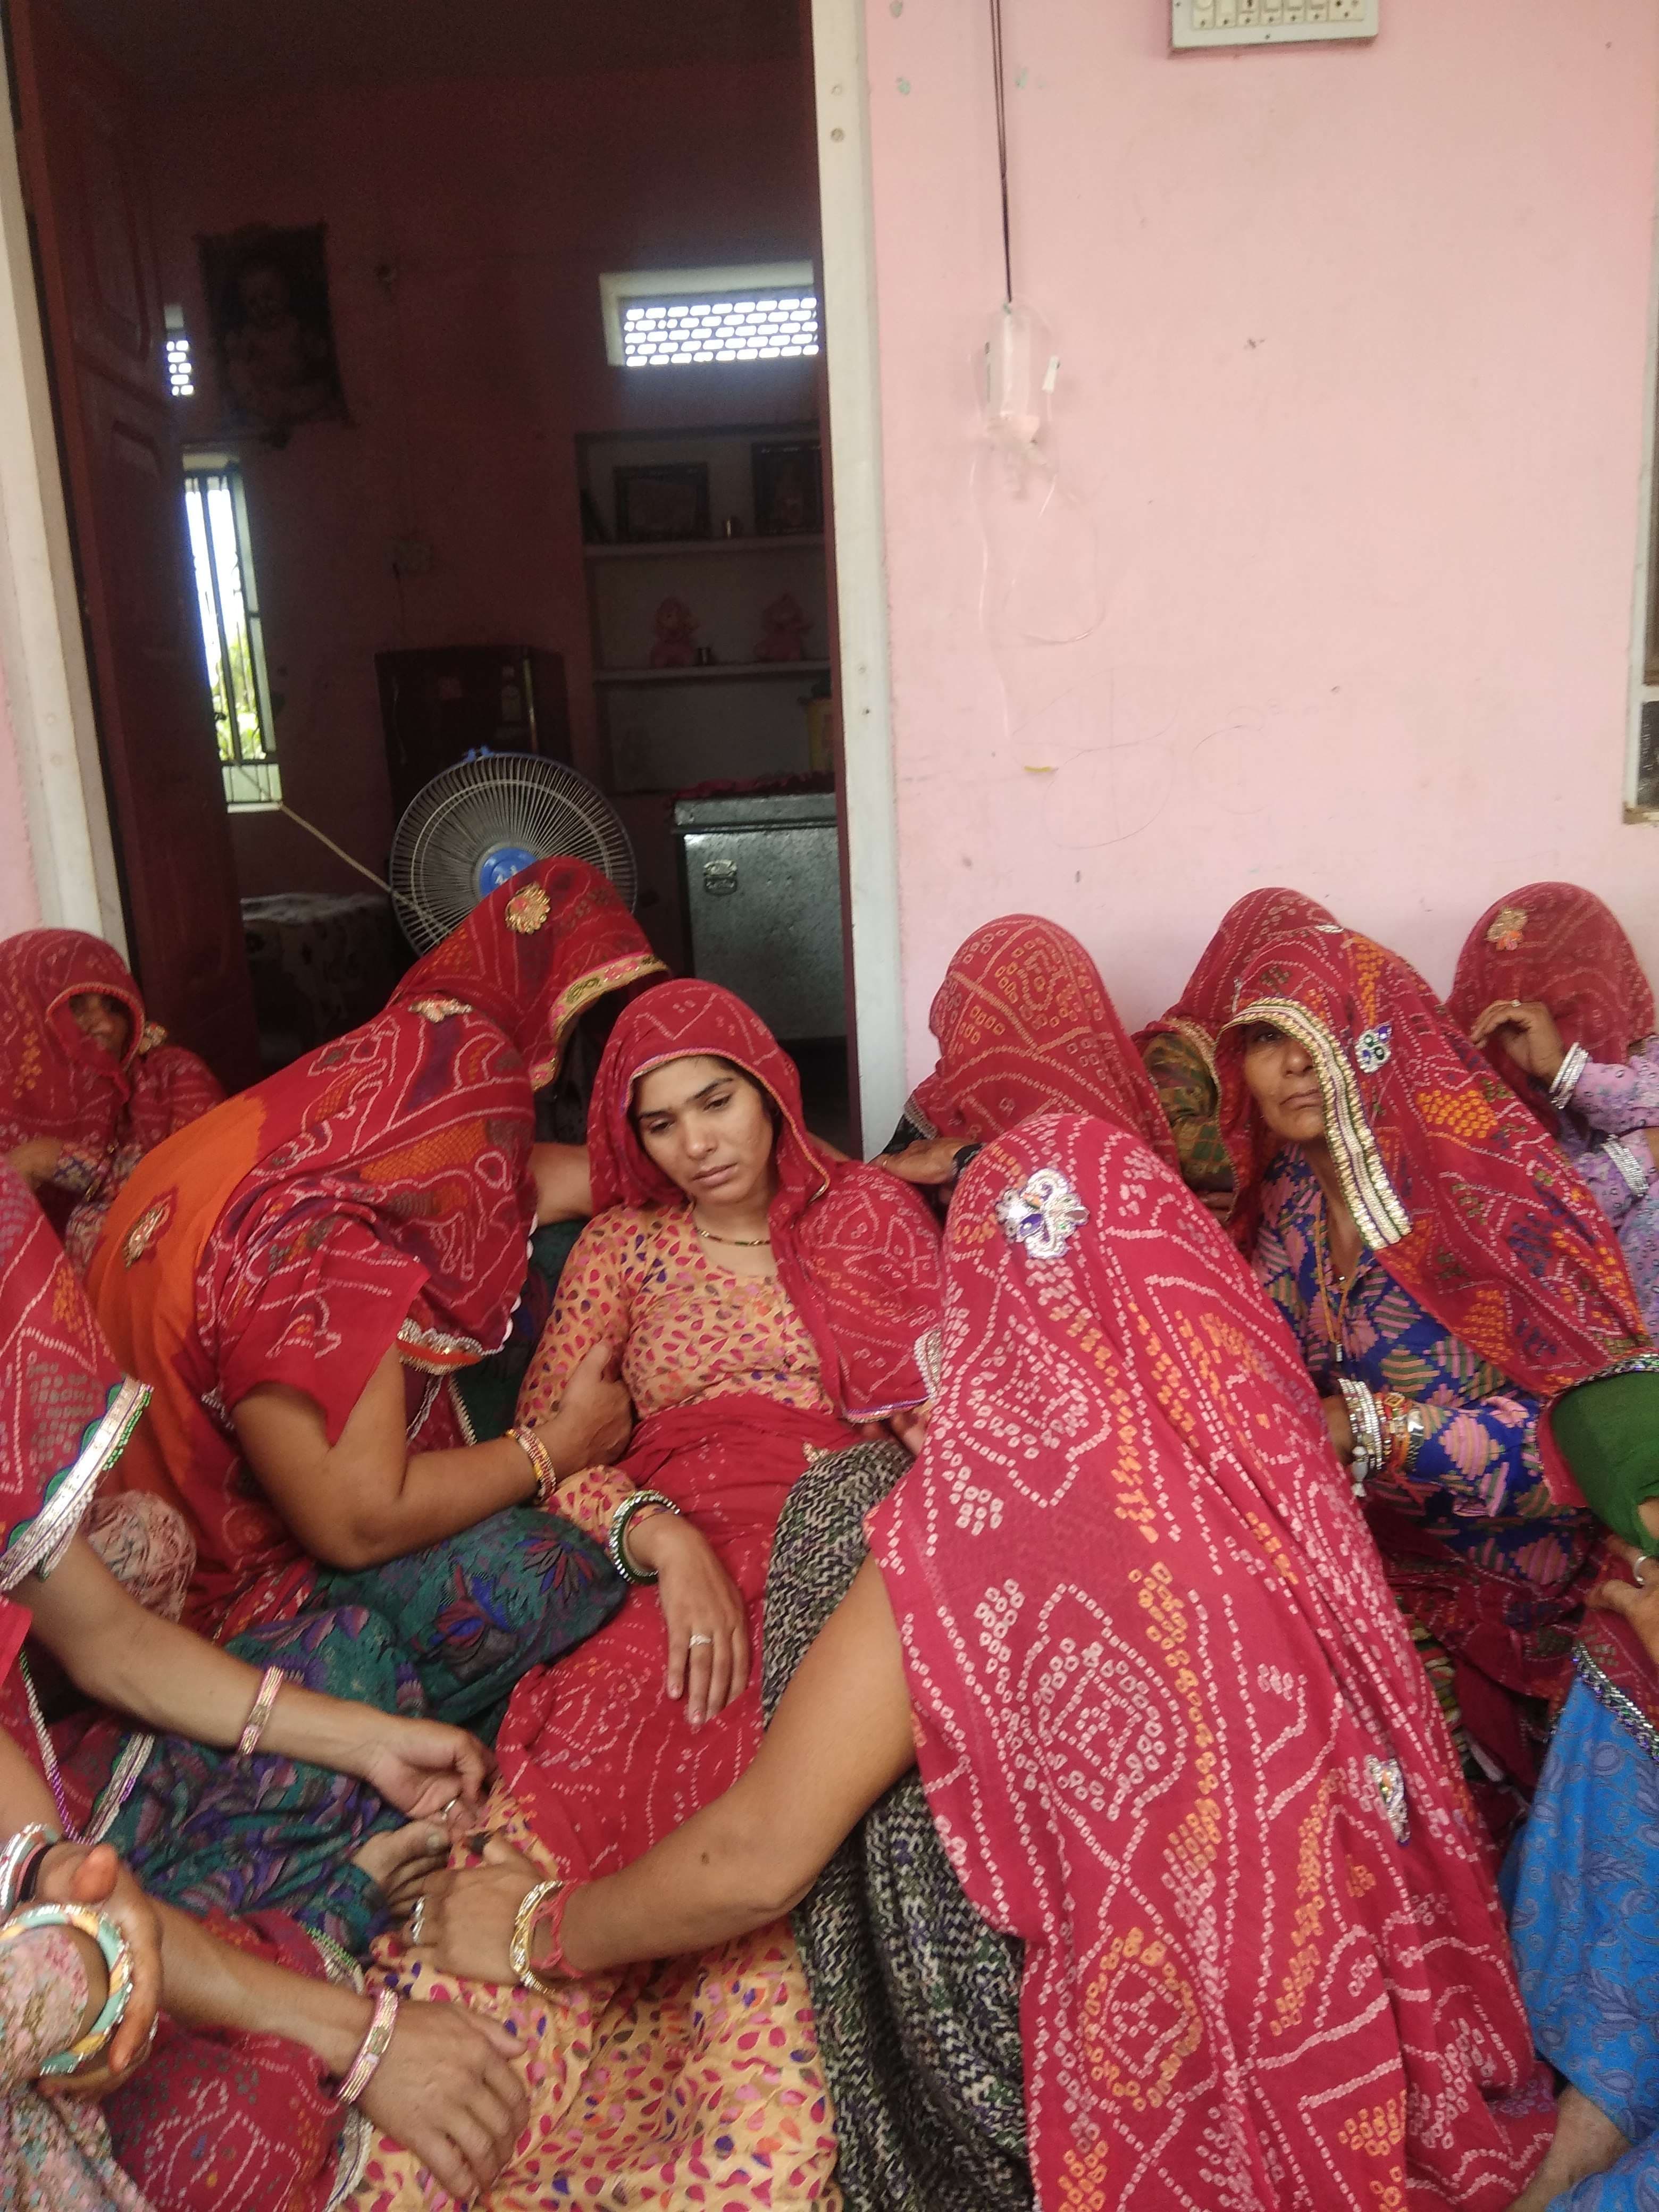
(1620, 1099)
(1474, 1480)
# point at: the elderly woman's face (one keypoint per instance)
(1285, 1083)
(104, 1019)
(708, 1128)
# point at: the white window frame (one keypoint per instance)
(619, 286)
(198, 462)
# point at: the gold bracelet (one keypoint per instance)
(524, 1931)
(541, 1464)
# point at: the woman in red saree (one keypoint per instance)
(1178, 1048)
(301, 1276)
(765, 1298)
(1171, 1728)
(233, 2108)
(1447, 1276)
(1024, 1025)
(1550, 987)
(88, 1085)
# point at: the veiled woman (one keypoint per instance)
(1447, 1276)
(1178, 1048)
(1024, 1025)
(1175, 1743)
(87, 1085)
(301, 1276)
(1549, 985)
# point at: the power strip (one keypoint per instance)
(1197, 23)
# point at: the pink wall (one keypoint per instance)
(1350, 408)
(468, 224)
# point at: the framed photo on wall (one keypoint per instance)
(273, 330)
(789, 490)
(667, 500)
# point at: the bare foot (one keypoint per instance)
(403, 1858)
(1586, 2142)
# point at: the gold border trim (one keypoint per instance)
(1380, 1217)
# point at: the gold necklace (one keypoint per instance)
(1325, 1264)
(742, 1243)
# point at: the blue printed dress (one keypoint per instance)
(1487, 1567)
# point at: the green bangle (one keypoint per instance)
(118, 1961)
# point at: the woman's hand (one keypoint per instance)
(708, 1621)
(1637, 1600)
(467, 1915)
(931, 1160)
(1529, 1033)
(594, 1423)
(446, 2091)
(36, 1159)
(422, 1766)
(1340, 1423)
(91, 1875)
(910, 1427)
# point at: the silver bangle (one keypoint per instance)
(617, 1543)
(14, 1855)
(1370, 1454)
(1567, 1075)
(1628, 1161)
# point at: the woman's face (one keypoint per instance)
(709, 1129)
(104, 1019)
(1285, 1083)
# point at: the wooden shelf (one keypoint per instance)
(679, 549)
(722, 671)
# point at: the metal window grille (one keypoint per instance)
(773, 326)
(231, 638)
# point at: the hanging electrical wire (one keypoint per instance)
(1002, 143)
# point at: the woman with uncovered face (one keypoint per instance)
(1175, 1743)
(88, 1085)
(764, 1300)
(1446, 1277)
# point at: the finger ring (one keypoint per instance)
(1637, 1577)
(417, 1919)
(691, 1640)
(446, 1812)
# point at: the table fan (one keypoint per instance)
(479, 823)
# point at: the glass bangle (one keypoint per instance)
(118, 1961)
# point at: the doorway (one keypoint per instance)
(463, 211)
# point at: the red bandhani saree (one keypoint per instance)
(377, 1193)
(1174, 1734)
(601, 1758)
(1024, 1025)
(1556, 943)
(1206, 1004)
(106, 1114)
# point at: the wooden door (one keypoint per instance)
(83, 178)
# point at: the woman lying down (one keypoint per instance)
(1123, 1613)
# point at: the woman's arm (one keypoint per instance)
(1619, 1097)
(842, 1735)
(444, 2089)
(366, 1498)
(167, 1677)
(1482, 1456)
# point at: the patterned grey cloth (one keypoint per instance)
(917, 2000)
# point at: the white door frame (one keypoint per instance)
(48, 693)
(869, 798)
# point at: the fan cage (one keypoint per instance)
(451, 829)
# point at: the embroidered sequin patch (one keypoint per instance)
(148, 1227)
(1371, 1048)
(438, 1010)
(1509, 924)
(1044, 1216)
(1388, 1779)
(526, 910)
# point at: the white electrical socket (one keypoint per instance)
(1269, 23)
